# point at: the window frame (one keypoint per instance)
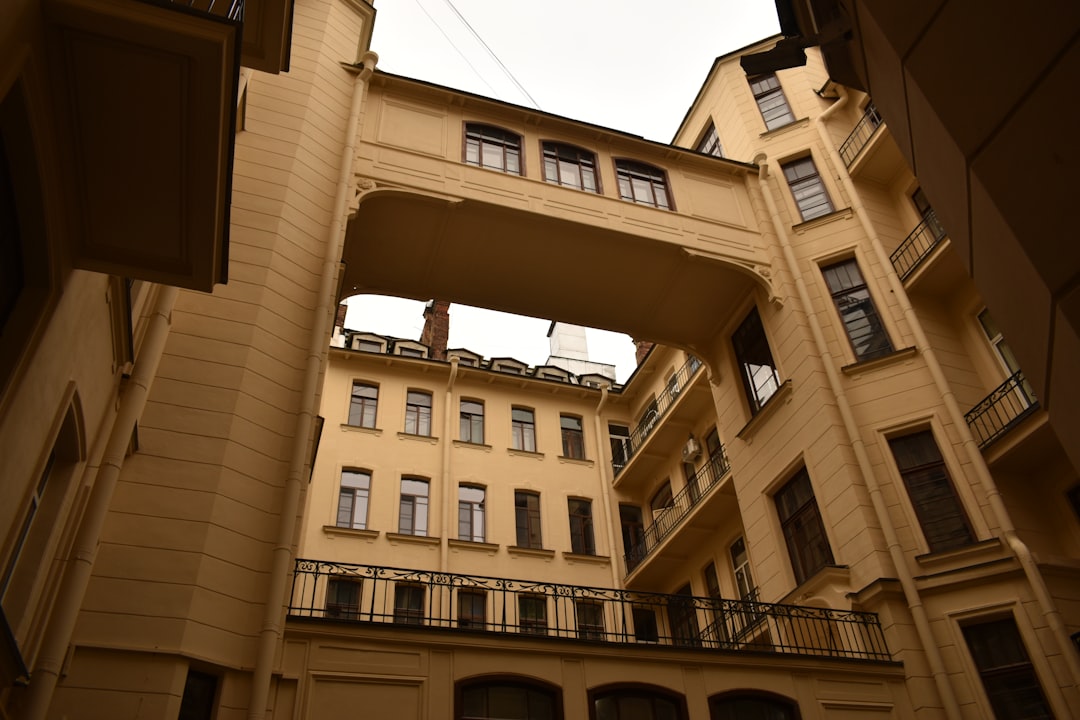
(764, 94)
(355, 495)
(553, 693)
(475, 509)
(406, 614)
(531, 529)
(523, 432)
(794, 519)
(573, 439)
(582, 536)
(742, 344)
(653, 693)
(626, 169)
(765, 699)
(364, 401)
(880, 343)
(620, 446)
(474, 419)
(494, 139)
(413, 501)
(554, 146)
(592, 628)
(709, 143)
(991, 678)
(532, 625)
(800, 183)
(470, 620)
(338, 609)
(415, 412)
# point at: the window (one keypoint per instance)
(573, 440)
(710, 143)
(570, 166)
(645, 629)
(619, 437)
(1073, 494)
(803, 530)
(365, 400)
(682, 612)
(662, 499)
(492, 148)
(1005, 669)
(771, 101)
(532, 614)
(581, 527)
(590, 620)
(861, 320)
(1005, 355)
(940, 513)
(418, 413)
(472, 609)
(633, 532)
(413, 513)
(523, 429)
(503, 699)
(472, 422)
(343, 599)
(471, 513)
(741, 705)
(643, 184)
(927, 213)
(527, 516)
(353, 499)
(740, 563)
(368, 346)
(406, 351)
(636, 704)
(756, 366)
(200, 693)
(408, 604)
(807, 188)
(718, 631)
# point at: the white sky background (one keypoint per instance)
(629, 65)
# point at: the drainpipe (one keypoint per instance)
(606, 483)
(282, 553)
(1023, 553)
(448, 498)
(81, 564)
(896, 553)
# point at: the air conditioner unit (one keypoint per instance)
(691, 450)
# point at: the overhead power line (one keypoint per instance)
(454, 45)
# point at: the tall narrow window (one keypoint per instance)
(682, 612)
(471, 513)
(590, 619)
(717, 631)
(1004, 353)
(804, 532)
(523, 429)
(771, 101)
(710, 143)
(343, 599)
(409, 604)
(472, 609)
(353, 499)
(645, 628)
(527, 518)
(1005, 669)
(633, 532)
(807, 188)
(570, 166)
(532, 614)
(941, 516)
(922, 204)
(200, 696)
(619, 437)
(472, 422)
(581, 527)
(740, 565)
(861, 320)
(418, 413)
(362, 406)
(492, 148)
(413, 512)
(642, 184)
(573, 439)
(756, 366)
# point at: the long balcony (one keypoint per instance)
(665, 522)
(421, 599)
(652, 425)
(860, 135)
(1001, 410)
(918, 245)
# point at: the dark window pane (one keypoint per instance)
(803, 529)
(756, 366)
(861, 320)
(938, 509)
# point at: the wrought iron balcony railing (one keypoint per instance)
(665, 521)
(229, 9)
(860, 135)
(656, 411)
(917, 246)
(344, 592)
(1001, 410)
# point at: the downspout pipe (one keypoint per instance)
(273, 618)
(84, 552)
(448, 496)
(606, 488)
(1001, 515)
(877, 499)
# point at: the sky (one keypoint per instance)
(629, 65)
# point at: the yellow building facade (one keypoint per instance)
(826, 492)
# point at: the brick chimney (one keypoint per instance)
(643, 348)
(339, 318)
(436, 330)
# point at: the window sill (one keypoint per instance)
(800, 123)
(530, 552)
(813, 585)
(489, 548)
(431, 439)
(395, 538)
(576, 461)
(961, 556)
(841, 214)
(471, 445)
(333, 530)
(856, 369)
(780, 397)
(359, 429)
(526, 453)
(573, 557)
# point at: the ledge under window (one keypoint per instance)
(418, 539)
(857, 368)
(350, 532)
(592, 559)
(471, 445)
(576, 461)
(841, 214)
(965, 556)
(813, 585)
(357, 428)
(780, 397)
(801, 122)
(423, 438)
(526, 453)
(489, 548)
(531, 552)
